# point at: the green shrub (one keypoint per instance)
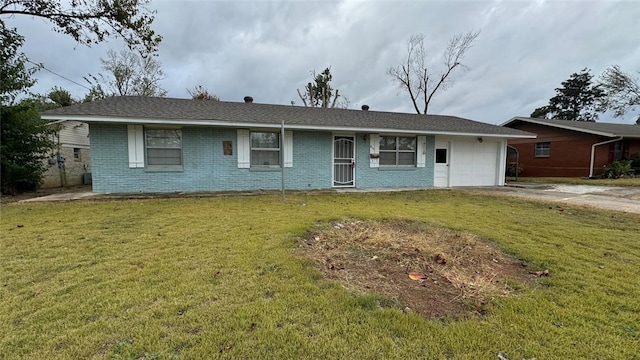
(635, 160)
(617, 169)
(26, 141)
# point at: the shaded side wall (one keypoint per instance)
(74, 169)
(73, 134)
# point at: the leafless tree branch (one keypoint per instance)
(414, 76)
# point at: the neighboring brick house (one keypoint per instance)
(146, 144)
(572, 148)
(70, 161)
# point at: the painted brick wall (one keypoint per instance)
(206, 168)
(368, 177)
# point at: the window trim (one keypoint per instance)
(146, 148)
(398, 151)
(252, 149)
(540, 151)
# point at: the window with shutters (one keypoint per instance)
(164, 148)
(265, 149)
(397, 151)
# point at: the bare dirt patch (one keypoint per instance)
(434, 271)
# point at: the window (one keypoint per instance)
(164, 147)
(265, 149)
(542, 149)
(441, 156)
(397, 151)
(76, 154)
(618, 150)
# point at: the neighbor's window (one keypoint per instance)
(397, 151)
(164, 147)
(265, 149)
(543, 149)
(76, 154)
(618, 150)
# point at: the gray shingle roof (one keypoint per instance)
(606, 129)
(150, 109)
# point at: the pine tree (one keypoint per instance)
(576, 100)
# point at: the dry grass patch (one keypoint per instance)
(454, 274)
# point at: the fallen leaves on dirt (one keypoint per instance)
(417, 276)
(431, 270)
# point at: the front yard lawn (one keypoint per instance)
(222, 278)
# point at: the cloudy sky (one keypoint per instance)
(267, 49)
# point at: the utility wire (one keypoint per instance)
(56, 74)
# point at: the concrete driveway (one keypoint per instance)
(625, 199)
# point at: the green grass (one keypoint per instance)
(580, 181)
(215, 278)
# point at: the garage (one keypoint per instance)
(474, 163)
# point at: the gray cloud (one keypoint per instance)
(267, 49)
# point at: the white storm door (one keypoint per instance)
(344, 161)
(441, 167)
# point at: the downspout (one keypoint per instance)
(593, 152)
(61, 169)
(282, 144)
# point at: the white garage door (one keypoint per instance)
(474, 163)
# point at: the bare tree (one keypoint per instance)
(129, 74)
(622, 91)
(420, 81)
(200, 93)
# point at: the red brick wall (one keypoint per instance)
(631, 147)
(570, 151)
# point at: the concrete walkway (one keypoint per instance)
(68, 196)
(625, 199)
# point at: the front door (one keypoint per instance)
(344, 161)
(441, 169)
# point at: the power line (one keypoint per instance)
(56, 74)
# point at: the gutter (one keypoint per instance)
(593, 152)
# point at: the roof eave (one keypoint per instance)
(275, 125)
(534, 121)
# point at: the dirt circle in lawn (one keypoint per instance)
(423, 268)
